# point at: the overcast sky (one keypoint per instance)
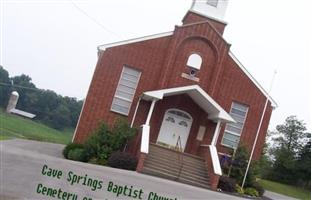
(55, 41)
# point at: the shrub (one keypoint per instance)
(101, 143)
(97, 161)
(122, 132)
(251, 192)
(69, 147)
(239, 164)
(96, 141)
(122, 160)
(239, 189)
(226, 184)
(77, 154)
(104, 141)
(259, 188)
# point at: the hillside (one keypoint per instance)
(12, 126)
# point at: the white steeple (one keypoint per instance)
(214, 9)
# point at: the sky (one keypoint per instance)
(55, 42)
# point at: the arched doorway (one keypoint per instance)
(176, 125)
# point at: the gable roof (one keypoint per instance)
(22, 113)
(198, 95)
(263, 91)
(170, 33)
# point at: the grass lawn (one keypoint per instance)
(288, 190)
(12, 126)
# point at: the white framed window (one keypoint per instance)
(212, 2)
(233, 131)
(194, 61)
(125, 91)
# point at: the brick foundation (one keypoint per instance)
(141, 160)
(214, 178)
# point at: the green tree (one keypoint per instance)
(74, 107)
(292, 137)
(60, 117)
(264, 165)
(4, 87)
(304, 164)
(292, 134)
(283, 169)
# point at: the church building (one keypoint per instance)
(190, 97)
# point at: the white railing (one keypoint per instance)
(179, 148)
(144, 146)
(214, 158)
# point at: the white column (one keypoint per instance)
(216, 133)
(214, 152)
(150, 112)
(144, 146)
(134, 116)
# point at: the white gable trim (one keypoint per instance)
(140, 39)
(273, 103)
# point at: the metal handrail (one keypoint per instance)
(180, 155)
(178, 145)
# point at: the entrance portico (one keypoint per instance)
(176, 123)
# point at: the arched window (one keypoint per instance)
(179, 113)
(194, 61)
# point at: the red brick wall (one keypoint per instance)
(145, 56)
(197, 38)
(236, 86)
(192, 17)
(162, 61)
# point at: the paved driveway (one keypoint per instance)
(22, 165)
(276, 196)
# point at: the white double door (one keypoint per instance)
(176, 124)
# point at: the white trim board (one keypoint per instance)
(199, 96)
(273, 103)
(139, 39)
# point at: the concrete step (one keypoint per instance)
(160, 149)
(175, 158)
(163, 174)
(177, 169)
(174, 154)
(172, 162)
(176, 166)
(181, 167)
